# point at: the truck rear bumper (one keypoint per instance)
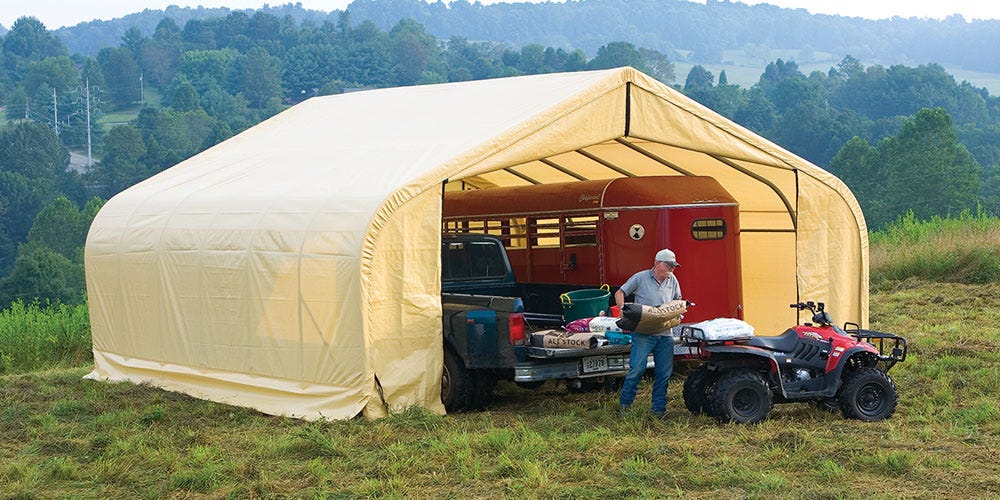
(600, 365)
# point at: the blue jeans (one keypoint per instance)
(662, 347)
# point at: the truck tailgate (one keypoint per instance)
(551, 352)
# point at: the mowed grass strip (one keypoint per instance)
(67, 437)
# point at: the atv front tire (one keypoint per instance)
(869, 395)
(741, 396)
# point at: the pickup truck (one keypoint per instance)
(487, 331)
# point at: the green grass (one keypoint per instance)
(62, 436)
(67, 437)
(34, 337)
(964, 249)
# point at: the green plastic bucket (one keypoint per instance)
(585, 303)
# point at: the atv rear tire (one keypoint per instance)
(869, 395)
(696, 387)
(741, 396)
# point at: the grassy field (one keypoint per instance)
(61, 436)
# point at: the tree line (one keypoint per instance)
(186, 88)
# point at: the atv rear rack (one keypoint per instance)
(891, 347)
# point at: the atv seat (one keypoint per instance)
(784, 342)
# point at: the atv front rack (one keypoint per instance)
(891, 347)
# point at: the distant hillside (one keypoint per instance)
(720, 34)
(699, 32)
(90, 37)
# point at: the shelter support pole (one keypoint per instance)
(768, 183)
(563, 169)
(652, 156)
(605, 163)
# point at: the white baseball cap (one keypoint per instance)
(667, 255)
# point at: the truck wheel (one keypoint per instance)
(741, 396)
(696, 387)
(456, 384)
(482, 390)
(869, 395)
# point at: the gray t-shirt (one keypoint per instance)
(649, 292)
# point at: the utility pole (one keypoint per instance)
(142, 95)
(90, 159)
(55, 111)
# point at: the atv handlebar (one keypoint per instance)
(820, 316)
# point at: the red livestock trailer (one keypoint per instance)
(574, 235)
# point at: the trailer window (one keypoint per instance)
(708, 229)
(581, 230)
(544, 232)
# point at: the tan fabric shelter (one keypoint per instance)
(295, 267)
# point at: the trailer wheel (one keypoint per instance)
(869, 395)
(456, 383)
(741, 396)
(696, 387)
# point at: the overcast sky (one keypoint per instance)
(57, 13)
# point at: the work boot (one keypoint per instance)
(622, 410)
(660, 415)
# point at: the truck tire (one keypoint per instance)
(869, 395)
(457, 383)
(484, 381)
(696, 387)
(741, 396)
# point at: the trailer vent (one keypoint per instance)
(708, 229)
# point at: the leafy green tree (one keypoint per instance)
(259, 77)
(59, 227)
(927, 170)
(122, 166)
(232, 110)
(312, 67)
(20, 200)
(857, 164)
(367, 57)
(58, 73)
(656, 65)
(121, 74)
(203, 68)
(184, 97)
(8, 251)
(414, 52)
(617, 54)
(42, 273)
(698, 77)
(161, 54)
(468, 61)
(34, 151)
(758, 114)
(28, 41)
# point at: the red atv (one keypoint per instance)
(740, 380)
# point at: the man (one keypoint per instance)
(652, 287)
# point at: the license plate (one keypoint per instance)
(595, 364)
